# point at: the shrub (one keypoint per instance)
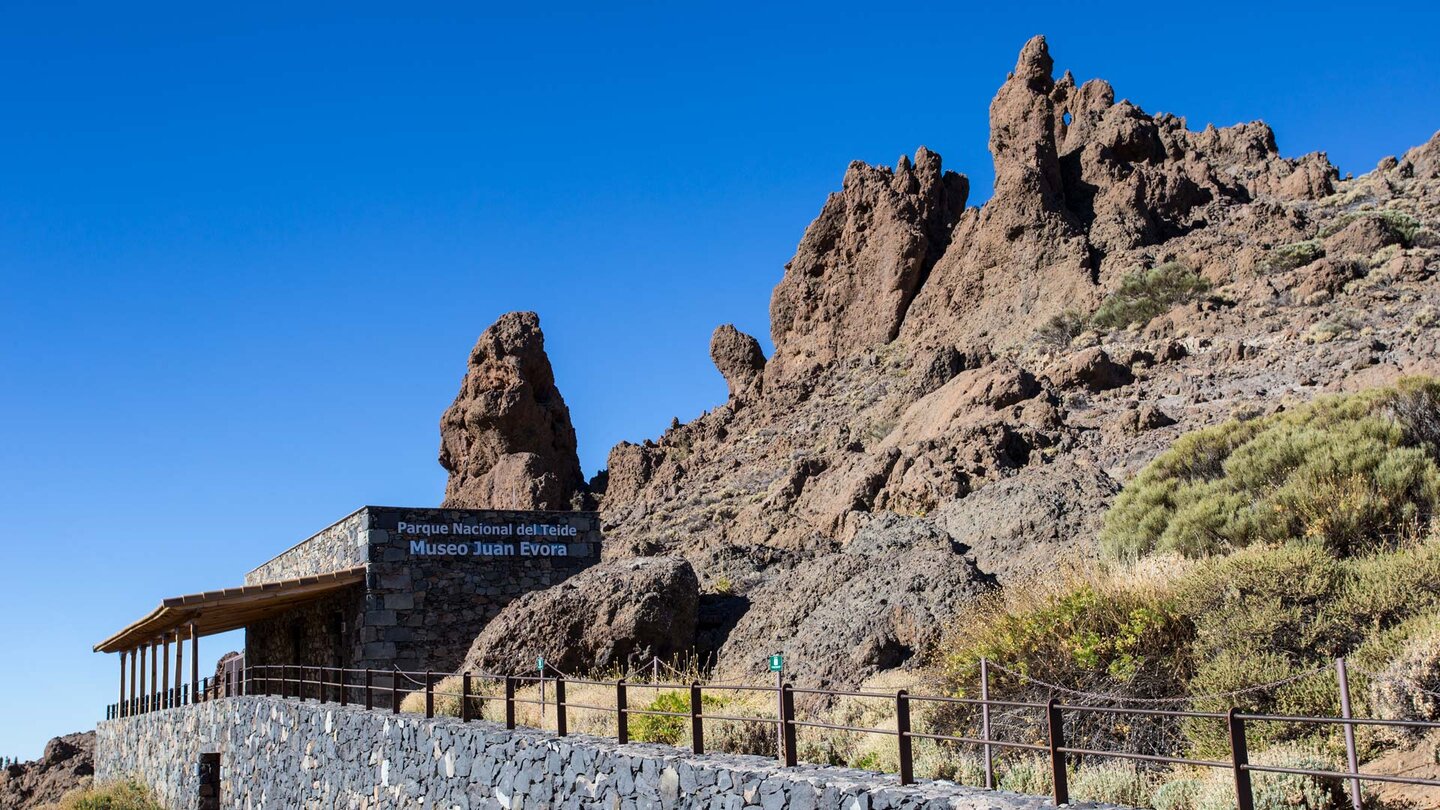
(114, 796)
(665, 728)
(1116, 783)
(447, 698)
(1407, 689)
(1178, 794)
(1027, 775)
(1291, 256)
(1352, 472)
(1060, 329)
(1403, 226)
(1147, 293)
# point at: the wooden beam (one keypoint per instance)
(164, 699)
(144, 704)
(154, 671)
(120, 706)
(179, 670)
(130, 709)
(194, 664)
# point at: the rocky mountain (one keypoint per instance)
(68, 763)
(957, 393)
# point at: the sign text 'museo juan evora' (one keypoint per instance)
(513, 539)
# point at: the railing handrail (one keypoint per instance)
(306, 682)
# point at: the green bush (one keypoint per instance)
(664, 728)
(1402, 225)
(114, 796)
(1291, 256)
(1348, 471)
(1147, 293)
(1115, 783)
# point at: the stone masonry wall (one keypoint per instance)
(334, 548)
(285, 754)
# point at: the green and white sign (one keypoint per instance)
(777, 662)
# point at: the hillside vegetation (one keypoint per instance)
(1253, 552)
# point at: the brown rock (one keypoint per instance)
(739, 359)
(67, 764)
(611, 615)
(507, 441)
(1094, 370)
(861, 261)
(1361, 238)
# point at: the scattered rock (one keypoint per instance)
(1094, 370)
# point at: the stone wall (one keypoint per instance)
(282, 754)
(337, 547)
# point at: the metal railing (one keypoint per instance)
(385, 690)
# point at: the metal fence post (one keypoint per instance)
(903, 739)
(429, 694)
(369, 688)
(344, 686)
(510, 701)
(1057, 757)
(985, 723)
(1342, 674)
(622, 714)
(697, 723)
(465, 698)
(787, 724)
(1240, 761)
(560, 725)
(394, 691)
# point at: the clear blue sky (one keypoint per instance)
(245, 253)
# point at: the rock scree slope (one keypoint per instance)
(956, 393)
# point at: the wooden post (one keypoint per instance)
(154, 671)
(465, 697)
(1240, 760)
(560, 724)
(1057, 757)
(194, 665)
(344, 686)
(130, 712)
(429, 693)
(144, 705)
(120, 707)
(787, 725)
(902, 737)
(622, 713)
(369, 688)
(394, 691)
(165, 670)
(510, 701)
(697, 727)
(179, 670)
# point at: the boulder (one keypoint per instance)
(507, 440)
(608, 616)
(841, 616)
(1093, 370)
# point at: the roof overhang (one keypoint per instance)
(230, 608)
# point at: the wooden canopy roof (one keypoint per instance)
(230, 608)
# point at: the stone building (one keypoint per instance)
(382, 588)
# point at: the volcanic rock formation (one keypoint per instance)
(68, 763)
(507, 441)
(944, 411)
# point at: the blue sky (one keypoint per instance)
(244, 252)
